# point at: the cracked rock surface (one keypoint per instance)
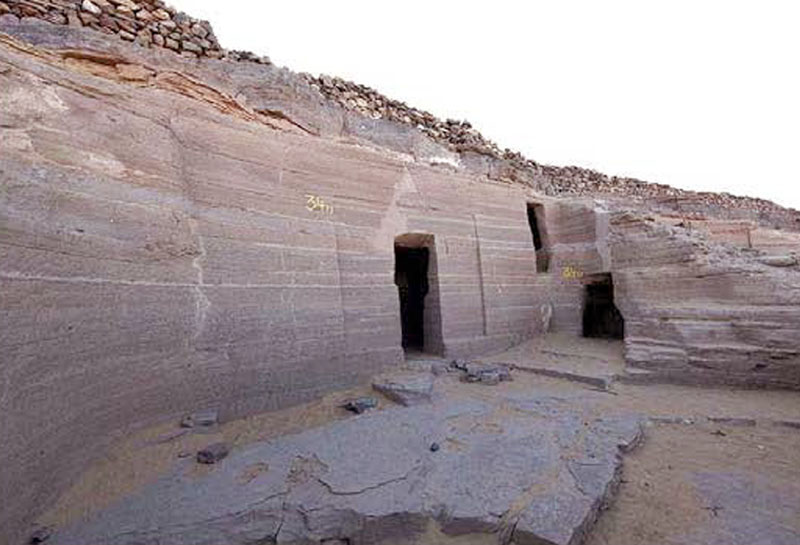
(526, 468)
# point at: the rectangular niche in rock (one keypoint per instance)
(539, 232)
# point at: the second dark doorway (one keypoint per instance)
(601, 318)
(411, 277)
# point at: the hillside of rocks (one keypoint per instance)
(154, 24)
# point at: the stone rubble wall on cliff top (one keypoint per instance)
(461, 136)
(151, 23)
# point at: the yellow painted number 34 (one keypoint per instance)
(315, 203)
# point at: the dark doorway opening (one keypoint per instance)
(601, 318)
(411, 277)
(536, 223)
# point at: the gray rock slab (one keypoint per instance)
(360, 404)
(406, 389)
(539, 475)
(779, 260)
(213, 453)
(205, 417)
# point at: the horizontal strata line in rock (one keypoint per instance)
(86, 280)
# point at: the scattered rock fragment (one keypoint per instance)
(205, 418)
(732, 421)
(671, 420)
(486, 373)
(460, 365)
(779, 260)
(794, 424)
(361, 404)
(87, 5)
(213, 453)
(406, 389)
(40, 535)
(434, 447)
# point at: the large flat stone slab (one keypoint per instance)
(530, 468)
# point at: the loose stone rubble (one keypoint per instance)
(148, 23)
(485, 373)
(213, 453)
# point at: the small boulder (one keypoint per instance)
(407, 390)
(213, 453)
(732, 421)
(486, 373)
(40, 535)
(361, 404)
(460, 365)
(87, 5)
(779, 260)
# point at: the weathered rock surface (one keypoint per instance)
(183, 265)
(700, 312)
(538, 473)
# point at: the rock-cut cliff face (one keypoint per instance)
(179, 233)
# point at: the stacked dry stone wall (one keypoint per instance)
(149, 23)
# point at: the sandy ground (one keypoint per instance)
(693, 481)
(661, 500)
(567, 353)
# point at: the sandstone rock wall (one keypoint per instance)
(169, 244)
(702, 313)
(572, 242)
(152, 23)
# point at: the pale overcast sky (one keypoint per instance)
(700, 94)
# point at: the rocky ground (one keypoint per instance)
(487, 461)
